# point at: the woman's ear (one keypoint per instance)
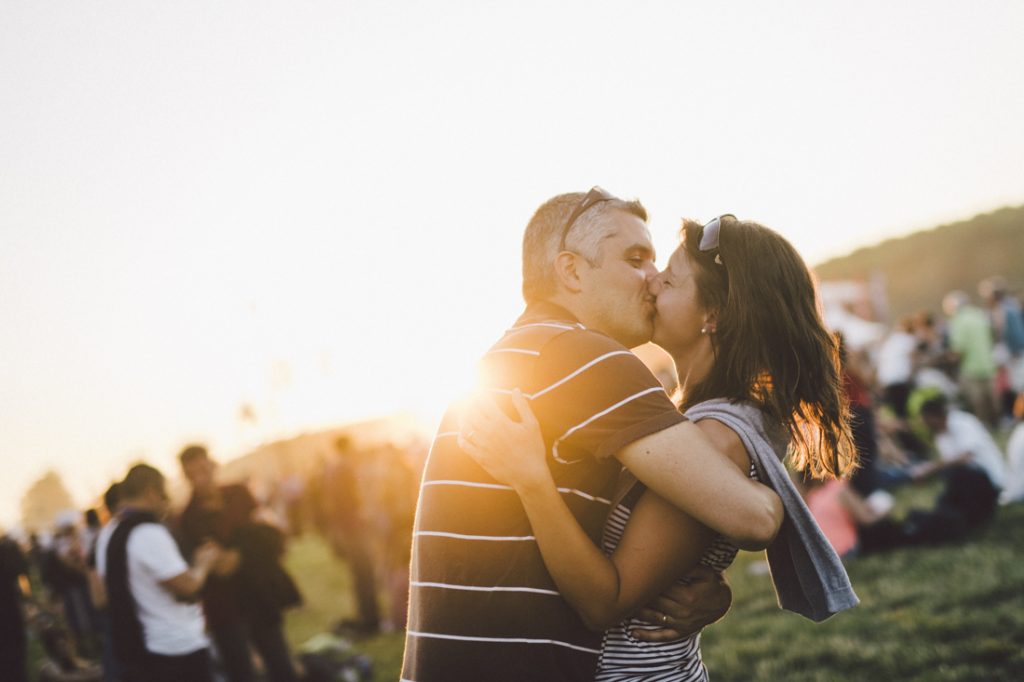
(711, 321)
(566, 271)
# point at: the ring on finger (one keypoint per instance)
(664, 619)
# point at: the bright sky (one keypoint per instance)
(315, 208)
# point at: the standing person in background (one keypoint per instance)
(970, 340)
(896, 366)
(98, 592)
(1008, 327)
(398, 504)
(13, 589)
(157, 632)
(223, 514)
(70, 555)
(347, 532)
(934, 364)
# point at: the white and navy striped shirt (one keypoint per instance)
(627, 659)
(482, 604)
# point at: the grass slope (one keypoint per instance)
(926, 614)
(948, 613)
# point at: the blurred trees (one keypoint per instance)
(921, 268)
(43, 501)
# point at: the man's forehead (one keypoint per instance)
(627, 239)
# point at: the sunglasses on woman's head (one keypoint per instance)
(709, 237)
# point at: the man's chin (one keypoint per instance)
(644, 336)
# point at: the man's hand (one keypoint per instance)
(228, 561)
(685, 609)
(206, 556)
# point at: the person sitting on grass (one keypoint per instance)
(1014, 489)
(969, 461)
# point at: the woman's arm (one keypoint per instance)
(660, 542)
(684, 465)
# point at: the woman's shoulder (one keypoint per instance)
(735, 412)
(743, 418)
(725, 438)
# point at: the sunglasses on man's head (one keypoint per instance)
(595, 196)
(709, 237)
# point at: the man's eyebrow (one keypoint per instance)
(639, 247)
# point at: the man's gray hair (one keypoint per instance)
(543, 237)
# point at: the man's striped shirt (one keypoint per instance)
(482, 604)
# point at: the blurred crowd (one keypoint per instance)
(939, 397)
(218, 584)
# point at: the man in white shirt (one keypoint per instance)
(157, 626)
(969, 459)
(895, 363)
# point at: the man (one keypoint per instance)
(1008, 325)
(970, 341)
(348, 536)
(13, 588)
(482, 605)
(98, 592)
(236, 618)
(896, 366)
(969, 460)
(157, 635)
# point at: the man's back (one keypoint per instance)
(482, 604)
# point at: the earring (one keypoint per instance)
(703, 330)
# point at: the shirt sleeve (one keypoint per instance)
(597, 396)
(956, 335)
(971, 435)
(153, 547)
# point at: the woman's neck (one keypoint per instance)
(693, 365)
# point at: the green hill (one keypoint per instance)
(921, 268)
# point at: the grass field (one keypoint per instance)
(926, 614)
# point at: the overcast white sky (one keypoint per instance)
(315, 208)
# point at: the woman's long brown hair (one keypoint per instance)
(771, 346)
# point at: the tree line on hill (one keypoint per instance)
(919, 269)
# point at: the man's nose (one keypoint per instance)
(653, 285)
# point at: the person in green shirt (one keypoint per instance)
(970, 340)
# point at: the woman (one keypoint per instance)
(736, 310)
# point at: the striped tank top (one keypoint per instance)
(627, 659)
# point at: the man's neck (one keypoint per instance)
(207, 496)
(130, 506)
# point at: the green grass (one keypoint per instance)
(926, 614)
(325, 585)
(946, 613)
